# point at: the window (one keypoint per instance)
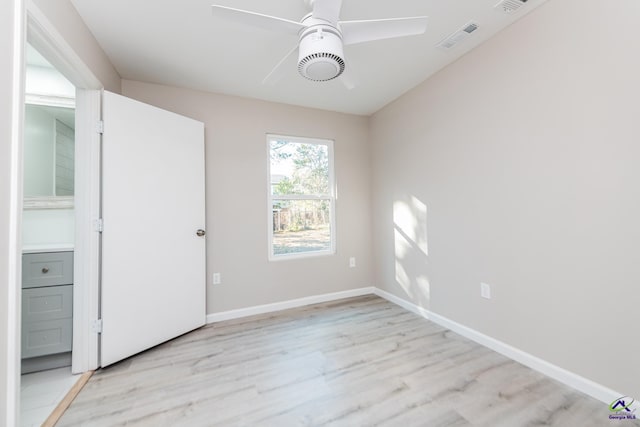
(301, 197)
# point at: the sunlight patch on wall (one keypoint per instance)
(402, 248)
(423, 288)
(410, 218)
(411, 249)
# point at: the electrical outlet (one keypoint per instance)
(485, 291)
(352, 262)
(216, 279)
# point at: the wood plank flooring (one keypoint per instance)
(354, 362)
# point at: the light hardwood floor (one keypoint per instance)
(355, 362)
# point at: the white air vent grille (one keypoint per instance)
(470, 28)
(510, 6)
(455, 38)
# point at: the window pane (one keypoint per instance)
(301, 226)
(298, 168)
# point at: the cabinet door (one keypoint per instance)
(46, 320)
(49, 303)
(153, 261)
(47, 269)
(46, 337)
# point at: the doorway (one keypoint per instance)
(61, 203)
(48, 237)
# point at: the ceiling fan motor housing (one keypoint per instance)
(321, 56)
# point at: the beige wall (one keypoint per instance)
(525, 156)
(10, 118)
(236, 185)
(67, 21)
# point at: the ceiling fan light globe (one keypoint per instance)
(321, 69)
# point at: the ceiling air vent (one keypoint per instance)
(510, 6)
(455, 38)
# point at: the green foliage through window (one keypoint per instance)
(308, 165)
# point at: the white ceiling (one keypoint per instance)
(181, 43)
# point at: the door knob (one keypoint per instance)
(201, 232)
(45, 270)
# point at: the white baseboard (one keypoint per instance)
(568, 378)
(284, 305)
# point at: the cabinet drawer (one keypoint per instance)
(46, 337)
(47, 269)
(49, 303)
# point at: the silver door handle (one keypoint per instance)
(200, 233)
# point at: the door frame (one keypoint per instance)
(29, 22)
(13, 78)
(43, 36)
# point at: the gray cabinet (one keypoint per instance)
(47, 310)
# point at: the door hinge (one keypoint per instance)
(100, 127)
(96, 326)
(98, 225)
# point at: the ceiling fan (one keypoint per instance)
(321, 37)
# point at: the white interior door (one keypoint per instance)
(153, 203)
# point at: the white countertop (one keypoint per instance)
(48, 247)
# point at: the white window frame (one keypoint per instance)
(331, 197)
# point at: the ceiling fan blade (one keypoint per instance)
(327, 10)
(278, 71)
(266, 22)
(378, 29)
(347, 78)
